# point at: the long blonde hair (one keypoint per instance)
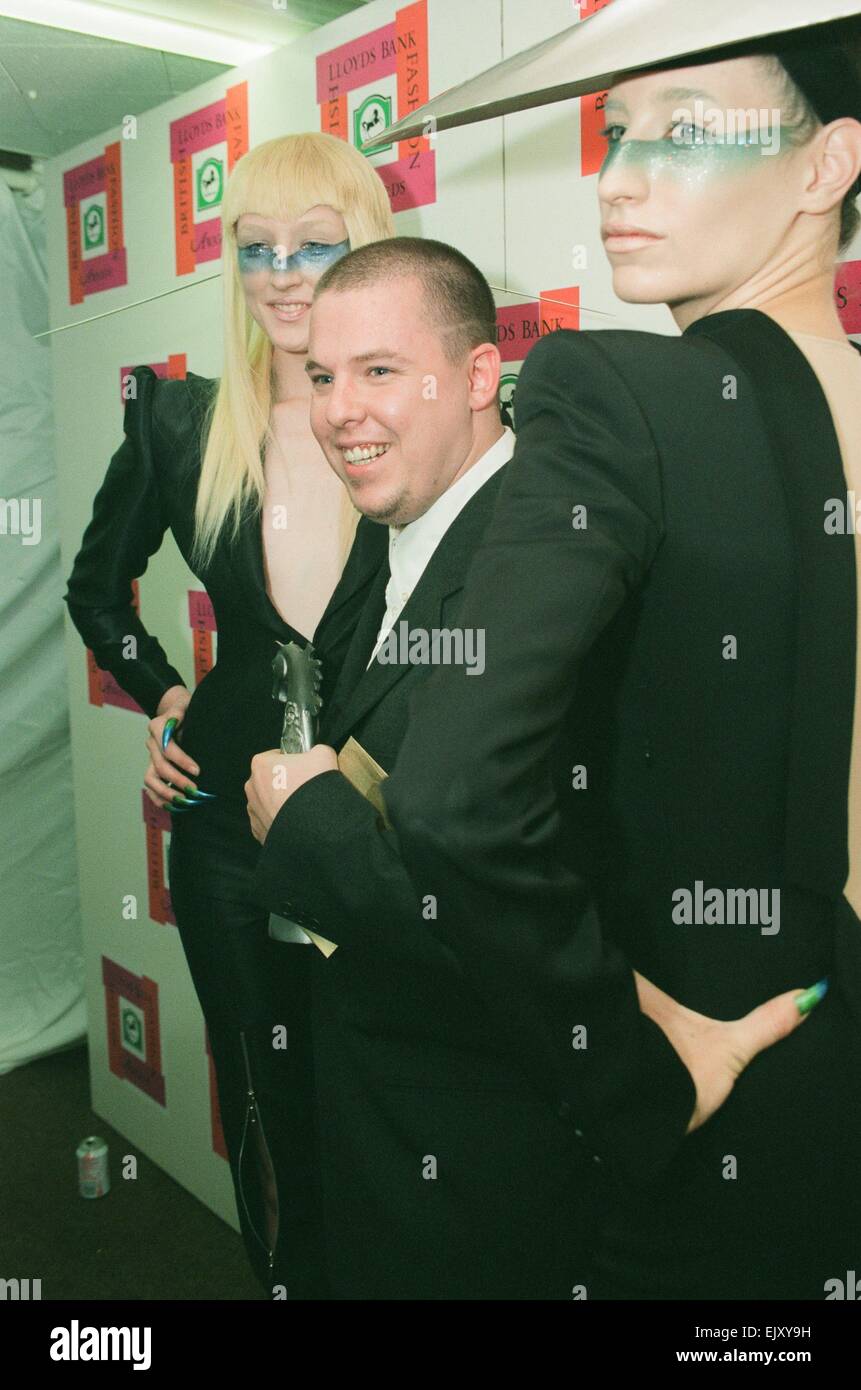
(278, 179)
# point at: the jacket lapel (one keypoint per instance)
(360, 648)
(807, 454)
(360, 690)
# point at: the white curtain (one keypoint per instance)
(41, 962)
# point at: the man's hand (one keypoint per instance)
(717, 1053)
(275, 776)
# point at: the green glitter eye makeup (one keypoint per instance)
(694, 152)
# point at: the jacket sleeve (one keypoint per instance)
(471, 794)
(128, 523)
(329, 864)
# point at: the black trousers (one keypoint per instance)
(252, 991)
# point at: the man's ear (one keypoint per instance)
(485, 366)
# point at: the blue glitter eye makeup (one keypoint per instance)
(316, 255)
(317, 250)
(254, 257)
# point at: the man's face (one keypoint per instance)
(714, 188)
(381, 382)
(279, 265)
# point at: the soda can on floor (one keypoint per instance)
(93, 1178)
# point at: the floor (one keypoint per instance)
(148, 1239)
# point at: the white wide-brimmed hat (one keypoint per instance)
(629, 36)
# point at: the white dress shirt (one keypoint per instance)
(411, 546)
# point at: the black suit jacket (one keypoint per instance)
(444, 1175)
(693, 648)
(150, 487)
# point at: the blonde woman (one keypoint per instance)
(232, 469)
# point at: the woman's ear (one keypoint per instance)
(836, 164)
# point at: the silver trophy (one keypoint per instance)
(297, 684)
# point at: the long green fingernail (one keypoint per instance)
(167, 732)
(808, 1000)
(183, 801)
(196, 792)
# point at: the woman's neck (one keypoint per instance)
(809, 308)
(806, 306)
(290, 380)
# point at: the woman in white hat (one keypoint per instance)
(691, 644)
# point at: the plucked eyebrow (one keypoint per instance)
(668, 94)
(374, 354)
(304, 230)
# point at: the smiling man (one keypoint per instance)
(391, 405)
(444, 1175)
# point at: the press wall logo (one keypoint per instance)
(93, 198)
(374, 115)
(134, 1039)
(518, 328)
(204, 632)
(204, 147)
(593, 145)
(507, 392)
(158, 825)
(209, 184)
(102, 687)
(365, 85)
(847, 295)
(219, 1144)
(173, 368)
(93, 219)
